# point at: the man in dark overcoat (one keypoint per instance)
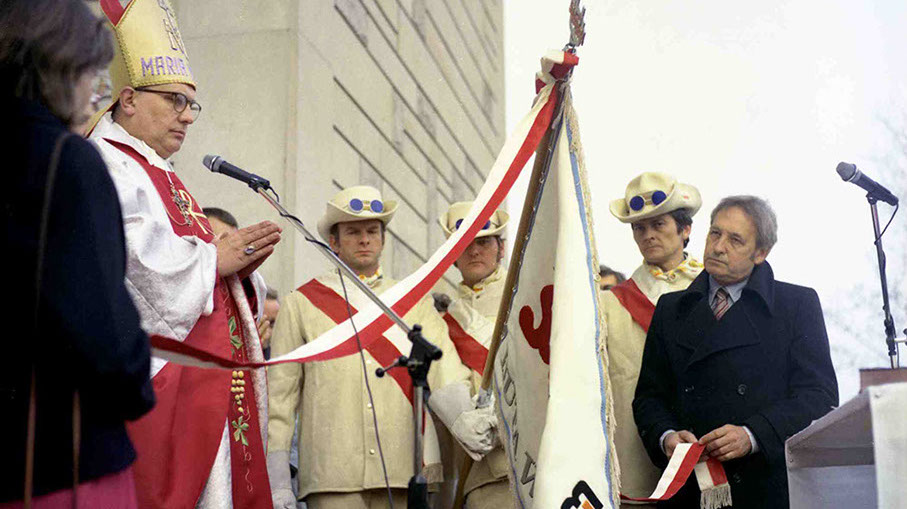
(738, 362)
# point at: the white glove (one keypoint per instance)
(279, 473)
(473, 428)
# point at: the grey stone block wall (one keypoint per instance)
(404, 95)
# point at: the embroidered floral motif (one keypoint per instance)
(235, 340)
(240, 428)
(372, 280)
(689, 267)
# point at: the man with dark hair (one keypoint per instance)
(340, 465)
(471, 317)
(609, 278)
(738, 362)
(659, 210)
(221, 220)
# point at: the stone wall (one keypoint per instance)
(404, 95)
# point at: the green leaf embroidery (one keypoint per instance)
(240, 426)
(235, 340)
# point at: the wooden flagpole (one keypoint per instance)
(540, 170)
(539, 173)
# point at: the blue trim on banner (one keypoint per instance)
(498, 394)
(580, 199)
(516, 287)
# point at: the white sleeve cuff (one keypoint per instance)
(661, 441)
(753, 443)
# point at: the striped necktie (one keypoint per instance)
(721, 303)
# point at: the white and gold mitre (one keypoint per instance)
(149, 49)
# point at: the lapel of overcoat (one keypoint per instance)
(704, 336)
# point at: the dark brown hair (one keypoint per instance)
(604, 270)
(221, 215)
(682, 218)
(45, 46)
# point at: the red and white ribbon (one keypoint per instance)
(713, 485)
(371, 323)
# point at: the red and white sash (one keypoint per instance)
(713, 484)
(470, 333)
(385, 349)
(635, 302)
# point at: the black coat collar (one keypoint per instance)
(761, 285)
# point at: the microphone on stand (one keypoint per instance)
(218, 165)
(874, 192)
(850, 173)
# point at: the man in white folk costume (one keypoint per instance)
(471, 318)
(660, 212)
(339, 457)
(203, 444)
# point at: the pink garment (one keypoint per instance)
(114, 491)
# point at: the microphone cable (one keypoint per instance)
(368, 388)
(883, 261)
(895, 211)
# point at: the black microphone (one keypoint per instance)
(850, 173)
(218, 165)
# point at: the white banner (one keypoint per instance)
(549, 379)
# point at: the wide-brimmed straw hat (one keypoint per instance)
(357, 203)
(652, 194)
(450, 221)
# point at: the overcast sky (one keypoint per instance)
(759, 98)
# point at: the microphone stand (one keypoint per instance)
(417, 363)
(886, 308)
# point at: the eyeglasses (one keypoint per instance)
(180, 101)
(638, 202)
(357, 205)
(460, 221)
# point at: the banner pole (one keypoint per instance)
(536, 180)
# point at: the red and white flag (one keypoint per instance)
(550, 381)
(370, 322)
